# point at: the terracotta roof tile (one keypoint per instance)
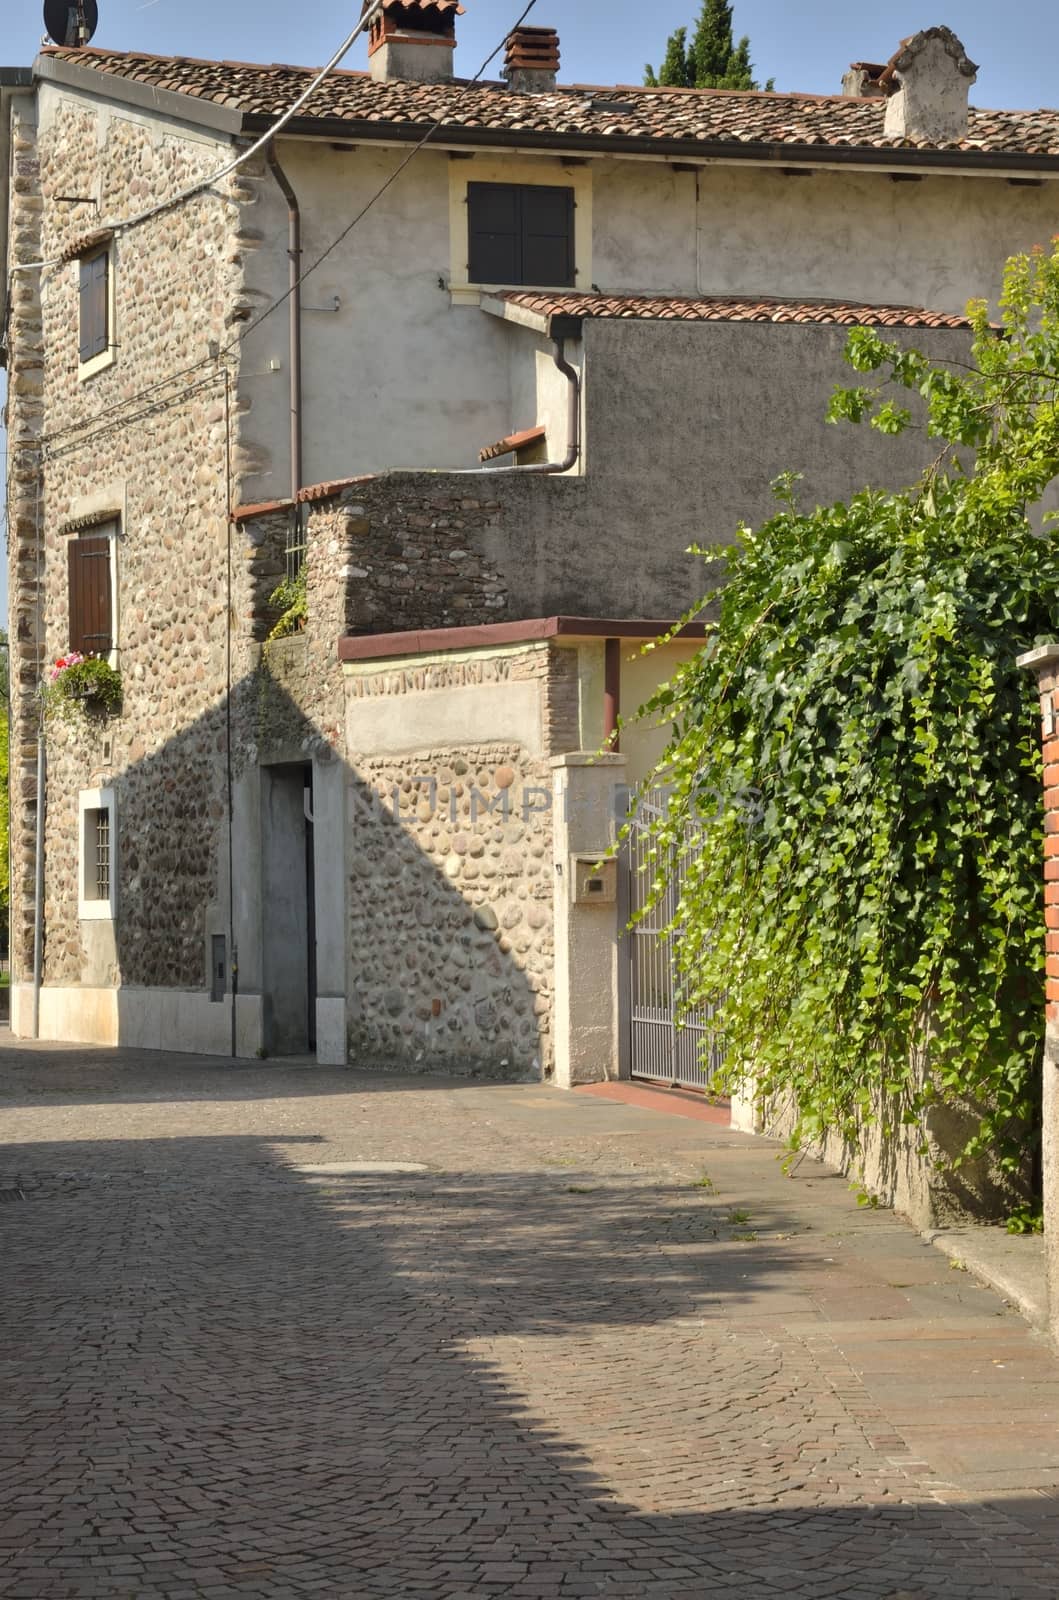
(512, 442)
(571, 113)
(728, 308)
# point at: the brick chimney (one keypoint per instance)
(413, 40)
(928, 82)
(531, 64)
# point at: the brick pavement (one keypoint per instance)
(554, 1363)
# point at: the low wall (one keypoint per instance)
(179, 1020)
(894, 1171)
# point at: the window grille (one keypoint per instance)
(295, 544)
(99, 860)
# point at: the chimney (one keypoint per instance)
(413, 40)
(863, 81)
(928, 82)
(531, 64)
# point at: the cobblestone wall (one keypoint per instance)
(145, 442)
(451, 922)
(406, 553)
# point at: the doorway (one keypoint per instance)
(288, 912)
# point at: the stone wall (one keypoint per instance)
(402, 553)
(1044, 663)
(25, 424)
(451, 902)
(147, 442)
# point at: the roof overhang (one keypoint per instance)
(187, 108)
(704, 152)
(556, 325)
(205, 113)
(490, 635)
(13, 81)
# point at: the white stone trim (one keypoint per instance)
(88, 907)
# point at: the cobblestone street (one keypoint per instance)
(581, 1348)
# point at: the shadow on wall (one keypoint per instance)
(346, 925)
(409, 1386)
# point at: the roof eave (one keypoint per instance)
(349, 130)
(201, 113)
(554, 324)
(354, 648)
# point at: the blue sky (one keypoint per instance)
(806, 46)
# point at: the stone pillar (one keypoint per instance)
(1045, 663)
(588, 795)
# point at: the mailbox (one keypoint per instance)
(595, 882)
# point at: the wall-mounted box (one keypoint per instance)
(595, 882)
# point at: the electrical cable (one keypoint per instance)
(97, 432)
(162, 206)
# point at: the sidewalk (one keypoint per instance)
(527, 1343)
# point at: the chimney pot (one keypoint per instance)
(413, 40)
(531, 63)
(863, 81)
(928, 82)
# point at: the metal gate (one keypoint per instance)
(664, 1043)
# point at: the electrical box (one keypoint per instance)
(218, 967)
(595, 882)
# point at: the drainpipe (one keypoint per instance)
(294, 252)
(573, 434)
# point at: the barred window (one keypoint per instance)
(97, 886)
(97, 863)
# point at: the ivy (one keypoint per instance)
(874, 932)
(291, 598)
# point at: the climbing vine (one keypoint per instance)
(873, 926)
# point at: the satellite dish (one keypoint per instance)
(71, 22)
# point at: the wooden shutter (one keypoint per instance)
(91, 629)
(548, 236)
(95, 305)
(495, 245)
(521, 233)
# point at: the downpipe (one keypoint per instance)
(294, 252)
(536, 468)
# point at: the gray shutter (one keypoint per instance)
(494, 223)
(95, 307)
(548, 236)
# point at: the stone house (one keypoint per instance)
(485, 394)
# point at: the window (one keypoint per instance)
(91, 586)
(96, 858)
(95, 306)
(521, 233)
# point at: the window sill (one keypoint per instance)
(95, 911)
(88, 369)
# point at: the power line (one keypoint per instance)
(162, 206)
(281, 300)
(390, 181)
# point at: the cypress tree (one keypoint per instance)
(712, 61)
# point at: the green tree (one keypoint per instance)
(712, 61)
(872, 925)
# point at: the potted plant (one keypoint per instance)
(87, 681)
